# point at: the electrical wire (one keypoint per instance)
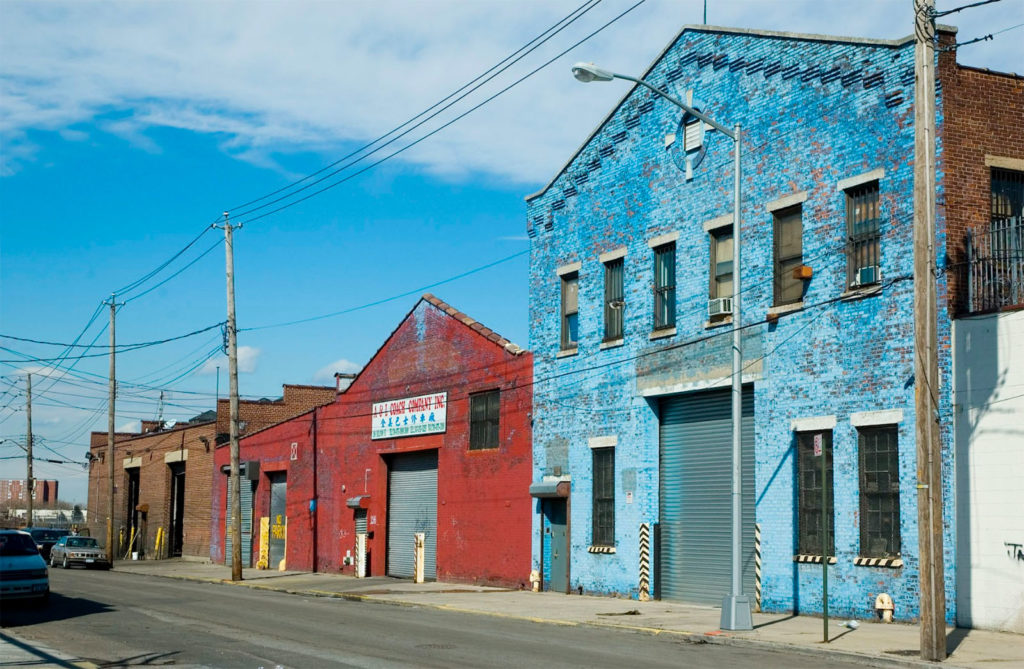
(444, 125)
(486, 76)
(122, 349)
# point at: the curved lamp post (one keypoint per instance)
(735, 606)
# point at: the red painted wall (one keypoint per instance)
(484, 508)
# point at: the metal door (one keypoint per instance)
(278, 517)
(556, 538)
(412, 508)
(246, 497)
(360, 518)
(177, 523)
(695, 545)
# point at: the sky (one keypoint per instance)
(127, 129)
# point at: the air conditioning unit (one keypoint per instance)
(868, 275)
(720, 306)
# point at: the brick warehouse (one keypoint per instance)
(164, 474)
(461, 477)
(630, 323)
(983, 161)
(12, 492)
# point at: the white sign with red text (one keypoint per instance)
(411, 416)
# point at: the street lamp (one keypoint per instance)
(735, 605)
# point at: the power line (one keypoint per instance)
(443, 126)
(567, 20)
(389, 299)
(936, 14)
(122, 349)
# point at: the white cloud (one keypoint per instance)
(326, 373)
(247, 358)
(280, 78)
(130, 426)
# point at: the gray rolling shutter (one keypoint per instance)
(246, 523)
(412, 508)
(695, 496)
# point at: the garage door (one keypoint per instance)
(246, 496)
(412, 508)
(695, 544)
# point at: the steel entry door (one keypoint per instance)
(557, 538)
(177, 523)
(412, 508)
(278, 517)
(246, 498)
(696, 496)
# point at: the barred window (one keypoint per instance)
(614, 301)
(604, 497)
(788, 251)
(570, 310)
(665, 286)
(484, 414)
(863, 236)
(879, 491)
(811, 448)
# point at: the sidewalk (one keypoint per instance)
(874, 644)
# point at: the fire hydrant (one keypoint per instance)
(884, 607)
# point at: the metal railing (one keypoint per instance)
(995, 266)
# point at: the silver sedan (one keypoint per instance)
(74, 550)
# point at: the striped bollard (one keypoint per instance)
(644, 589)
(757, 567)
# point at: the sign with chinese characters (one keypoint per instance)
(425, 414)
(817, 445)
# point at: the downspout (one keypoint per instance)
(315, 503)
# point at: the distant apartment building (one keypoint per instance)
(13, 491)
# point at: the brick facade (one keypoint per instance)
(984, 114)
(483, 501)
(816, 112)
(13, 491)
(154, 451)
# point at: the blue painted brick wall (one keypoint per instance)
(814, 111)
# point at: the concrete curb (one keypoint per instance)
(864, 659)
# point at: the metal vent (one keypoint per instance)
(851, 78)
(582, 178)
(813, 72)
(704, 59)
(755, 66)
(720, 61)
(632, 122)
(687, 59)
(790, 71)
(619, 137)
(876, 78)
(606, 151)
(893, 99)
(570, 192)
(674, 75)
(772, 68)
(646, 107)
(907, 77)
(558, 204)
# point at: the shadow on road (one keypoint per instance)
(43, 656)
(60, 607)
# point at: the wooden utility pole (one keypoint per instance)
(111, 394)
(235, 501)
(30, 481)
(926, 367)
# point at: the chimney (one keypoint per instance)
(338, 376)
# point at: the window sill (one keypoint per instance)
(613, 343)
(813, 559)
(859, 293)
(566, 352)
(727, 320)
(786, 308)
(661, 334)
(889, 563)
(606, 550)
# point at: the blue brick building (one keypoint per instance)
(630, 321)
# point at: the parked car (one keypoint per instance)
(23, 572)
(72, 550)
(45, 538)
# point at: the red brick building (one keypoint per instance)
(164, 474)
(12, 492)
(982, 172)
(432, 437)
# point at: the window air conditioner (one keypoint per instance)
(868, 275)
(720, 306)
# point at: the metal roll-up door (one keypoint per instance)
(412, 508)
(360, 518)
(695, 549)
(246, 496)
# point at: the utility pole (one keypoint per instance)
(926, 367)
(30, 490)
(234, 489)
(111, 394)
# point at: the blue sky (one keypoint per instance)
(127, 128)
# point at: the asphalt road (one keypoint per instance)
(118, 619)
